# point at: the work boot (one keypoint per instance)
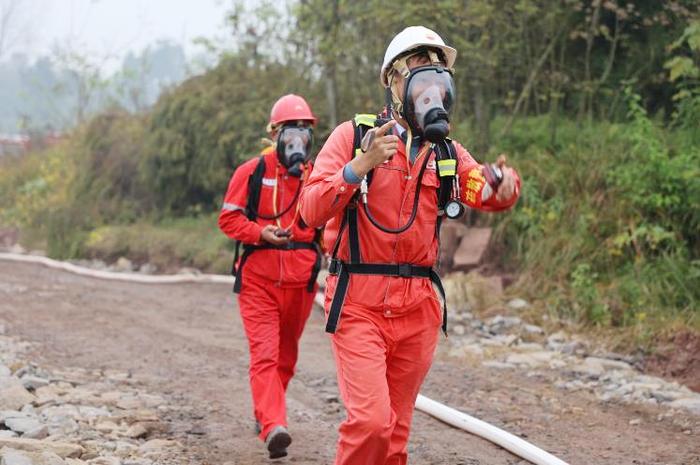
(277, 442)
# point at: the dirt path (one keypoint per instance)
(186, 343)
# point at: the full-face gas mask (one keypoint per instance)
(428, 99)
(294, 148)
(428, 96)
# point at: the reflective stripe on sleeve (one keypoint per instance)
(232, 207)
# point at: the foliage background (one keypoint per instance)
(597, 103)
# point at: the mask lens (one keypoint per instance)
(294, 146)
(428, 88)
(296, 136)
(428, 100)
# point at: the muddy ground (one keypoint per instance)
(185, 342)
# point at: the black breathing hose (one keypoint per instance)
(416, 198)
(279, 215)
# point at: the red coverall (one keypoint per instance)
(274, 301)
(388, 330)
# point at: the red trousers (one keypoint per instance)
(274, 319)
(381, 363)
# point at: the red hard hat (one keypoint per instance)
(291, 108)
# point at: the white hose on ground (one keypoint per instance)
(433, 408)
(115, 276)
(487, 431)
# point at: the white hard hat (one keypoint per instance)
(410, 38)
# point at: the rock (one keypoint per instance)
(518, 304)
(590, 368)
(46, 395)
(148, 268)
(497, 365)
(33, 382)
(124, 449)
(40, 432)
(151, 401)
(559, 336)
(156, 446)
(4, 371)
(500, 340)
(530, 346)
(458, 330)
(111, 397)
(61, 449)
(22, 425)
(500, 324)
(473, 349)
(6, 433)
(93, 412)
(129, 403)
(532, 329)
(471, 248)
(117, 375)
(82, 396)
(23, 370)
(530, 359)
(105, 461)
(197, 430)
(5, 414)
(12, 394)
(106, 426)
(450, 236)
(123, 264)
(66, 410)
(608, 364)
(62, 424)
(14, 457)
(691, 404)
(138, 431)
(573, 347)
(666, 396)
(635, 422)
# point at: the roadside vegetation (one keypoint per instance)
(596, 103)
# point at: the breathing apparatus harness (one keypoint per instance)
(252, 213)
(447, 197)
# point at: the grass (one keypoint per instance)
(170, 244)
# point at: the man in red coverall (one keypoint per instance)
(380, 302)
(276, 275)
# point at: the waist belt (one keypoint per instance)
(248, 249)
(404, 270)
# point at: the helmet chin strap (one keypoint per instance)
(396, 99)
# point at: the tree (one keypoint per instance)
(11, 30)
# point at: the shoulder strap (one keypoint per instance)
(446, 160)
(254, 186)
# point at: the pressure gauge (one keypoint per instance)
(454, 209)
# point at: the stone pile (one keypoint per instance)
(507, 342)
(77, 416)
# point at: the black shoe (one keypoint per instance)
(277, 442)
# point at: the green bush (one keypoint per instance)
(169, 244)
(606, 229)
